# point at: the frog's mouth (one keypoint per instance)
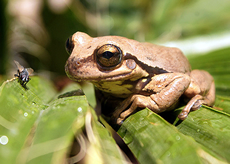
(91, 73)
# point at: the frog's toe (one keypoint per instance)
(183, 115)
(197, 105)
(120, 121)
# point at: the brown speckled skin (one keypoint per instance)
(148, 76)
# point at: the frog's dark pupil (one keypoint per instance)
(107, 54)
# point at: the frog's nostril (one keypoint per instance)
(78, 62)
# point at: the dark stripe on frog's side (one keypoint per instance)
(150, 69)
(143, 81)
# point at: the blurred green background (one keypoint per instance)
(34, 32)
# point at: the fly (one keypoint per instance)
(23, 74)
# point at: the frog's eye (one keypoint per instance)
(69, 45)
(109, 55)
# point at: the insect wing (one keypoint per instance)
(20, 68)
(30, 70)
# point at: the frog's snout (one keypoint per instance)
(73, 63)
(74, 68)
(71, 67)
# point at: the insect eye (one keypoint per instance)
(109, 56)
(69, 45)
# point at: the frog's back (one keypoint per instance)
(167, 58)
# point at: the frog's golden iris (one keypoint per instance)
(109, 56)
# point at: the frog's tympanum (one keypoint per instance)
(140, 74)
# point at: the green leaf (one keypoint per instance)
(103, 148)
(223, 104)
(32, 131)
(20, 109)
(153, 140)
(55, 130)
(210, 128)
(42, 88)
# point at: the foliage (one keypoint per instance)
(37, 130)
(42, 125)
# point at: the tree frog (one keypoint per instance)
(140, 74)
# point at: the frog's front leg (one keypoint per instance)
(166, 88)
